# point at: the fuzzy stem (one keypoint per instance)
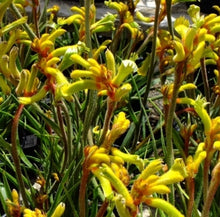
(207, 163)
(169, 122)
(110, 109)
(102, 209)
(15, 155)
(191, 190)
(215, 182)
(82, 191)
(170, 113)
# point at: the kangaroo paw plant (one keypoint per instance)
(109, 116)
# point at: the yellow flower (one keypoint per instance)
(192, 163)
(44, 45)
(14, 207)
(35, 213)
(199, 106)
(120, 125)
(148, 183)
(58, 212)
(167, 90)
(107, 79)
(53, 12)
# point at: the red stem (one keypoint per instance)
(206, 177)
(82, 191)
(102, 209)
(15, 155)
(214, 184)
(191, 192)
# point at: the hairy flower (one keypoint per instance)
(107, 79)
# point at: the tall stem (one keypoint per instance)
(82, 191)
(169, 122)
(170, 114)
(191, 191)
(14, 153)
(207, 163)
(215, 182)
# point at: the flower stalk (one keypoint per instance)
(170, 117)
(15, 155)
(214, 184)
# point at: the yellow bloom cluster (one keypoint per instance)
(15, 209)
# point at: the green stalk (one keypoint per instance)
(170, 113)
(25, 25)
(169, 121)
(150, 73)
(15, 155)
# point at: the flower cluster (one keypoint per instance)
(107, 164)
(105, 24)
(16, 210)
(107, 79)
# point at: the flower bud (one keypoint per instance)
(59, 210)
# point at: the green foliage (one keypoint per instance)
(117, 116)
